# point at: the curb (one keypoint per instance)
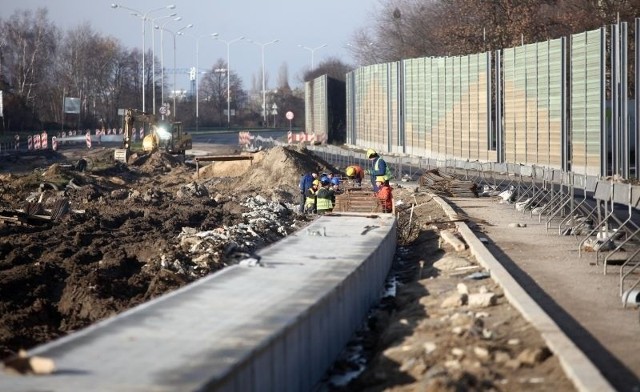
(577, 366)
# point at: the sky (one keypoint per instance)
(292, 22)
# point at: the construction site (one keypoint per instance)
(83, 244)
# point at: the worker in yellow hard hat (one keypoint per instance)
(355, 173)
(378, 167)
(311, 200)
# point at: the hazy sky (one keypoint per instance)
(292, 22)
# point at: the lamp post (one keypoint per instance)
(143, 16)
(175, 109)
(153, 52)
(312, 50)
(228, 43)
(161, 28)
(264, 92)
(213, 35)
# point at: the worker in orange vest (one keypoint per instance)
(384, 194)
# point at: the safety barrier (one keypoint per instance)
(275, 322)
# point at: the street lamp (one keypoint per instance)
(312, 50)
(175, 109)
(153, 52)
(264, 91)
(213, 35)
(143, 17)
(161, 28)
(228, 43)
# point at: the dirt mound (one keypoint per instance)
(281, 169)
(155, 162)
(230, 168)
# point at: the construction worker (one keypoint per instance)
(384, 194)
(378, 167)
(311, 198)
(355, 173)
(306, 180)
(324, 197)
(335, 187)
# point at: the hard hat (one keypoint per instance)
(315, 182)
(324, 179)
(335, 181)
(380, 179)
(371, 152)
(351, 171)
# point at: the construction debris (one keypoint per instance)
(446, 185)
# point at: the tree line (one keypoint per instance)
(403, 29)
(40, 65)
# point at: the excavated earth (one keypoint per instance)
(79, 246)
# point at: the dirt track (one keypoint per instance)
(129, 236)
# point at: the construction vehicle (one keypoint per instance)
(165, 135)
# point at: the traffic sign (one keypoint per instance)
(163, 110)
(289, 115)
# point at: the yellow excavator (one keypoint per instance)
(163, 135)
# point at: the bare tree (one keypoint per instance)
(28, 50)
(331, 66)
(213, 87)
(283, 77)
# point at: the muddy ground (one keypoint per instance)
(79, 246)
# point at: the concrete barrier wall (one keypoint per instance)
(276, 327)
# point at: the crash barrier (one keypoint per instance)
(601, 213)
(275, 322)
(251, 142)
(300, 137)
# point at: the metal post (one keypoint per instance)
(228, 43)
(312, 50)
(153, 63)
(264, 92)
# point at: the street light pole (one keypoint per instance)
(312, 50)
(153, 52)
(174, 63)
(228, 43)
(198, 71)
(143, 16)
(264, 91)
(161, 28)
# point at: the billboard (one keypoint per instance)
(72, 105)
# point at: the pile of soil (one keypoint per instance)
(123, 240)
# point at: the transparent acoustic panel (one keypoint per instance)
(456, 128)
(555, 102)
(448, 107)
(509, 104)
(394, 108)
(483, 107)
(428, 106)
(520, 105)
(586, 98)
(421, 105)
(531, 103)
(463, 99)
(442, 110)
